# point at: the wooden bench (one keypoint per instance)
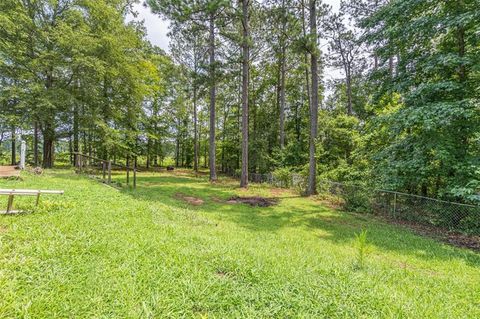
(11, 193)
(9, 171)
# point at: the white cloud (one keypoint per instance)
(157, 28)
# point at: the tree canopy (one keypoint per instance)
(246, 84)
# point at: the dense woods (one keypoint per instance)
(244, 89)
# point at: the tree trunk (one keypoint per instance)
(35, 144)
(282, 77)
(48, 146)
(245, 78)
(390, 66)
(14, 147)
(195, 130)
(177, 151)
(211, 40)
(312, 187)
(349, 90)
(148, 152)
(307, 76)
(75, 133)
(282, 99)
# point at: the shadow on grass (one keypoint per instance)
(292, 212)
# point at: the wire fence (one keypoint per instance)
(410, 208)
(414, 209)
(103, 170)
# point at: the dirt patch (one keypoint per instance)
(279, 191)
(255, 201)
(217, 199)
(3, 229)
(189, 199)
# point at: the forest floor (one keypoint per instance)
(178, 246)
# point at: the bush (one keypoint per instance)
(283, 177)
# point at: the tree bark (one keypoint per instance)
(48, 146)
(35, 144)
(312, 184)
(195, 130)
(282, 77)
(348, 79)
(14, 147)
(75, 133)
(211, 40)
(245, 77)
(307, 75)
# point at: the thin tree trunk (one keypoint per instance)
(177, 151)
(307, 75)
(148, 152)
(48, 145)
(195, 130)
(282, 78)
(213, 172)
(75, 133)
(35, 143)
(312, 187)
(348, 79)
(282, 99)
(245, 77)
(390, 66)
(14, 147)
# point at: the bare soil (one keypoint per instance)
(255, 201)
(189, 199)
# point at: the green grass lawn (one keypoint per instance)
(98, 252)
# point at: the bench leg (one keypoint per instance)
(38, 199)
(10, 204)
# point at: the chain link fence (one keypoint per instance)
(398, 206)
(410, 208)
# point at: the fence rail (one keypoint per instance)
(449, 216)
(97, 166)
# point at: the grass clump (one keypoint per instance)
(362, 249)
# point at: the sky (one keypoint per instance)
(157, 29)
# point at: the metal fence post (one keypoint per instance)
(394, 205)
(128, 170)
(135, 172)
(104, 170)
(109, 172)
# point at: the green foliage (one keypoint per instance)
(283, 176)
(363, 248)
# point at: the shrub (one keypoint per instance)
(283, 176)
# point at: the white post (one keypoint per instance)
(23, 151)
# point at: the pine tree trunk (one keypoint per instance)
(307, 75)
(282, 77)
(148, 152)
(282, 99)
(48, 146)
(245, 78)
(35, 144)
(312, 187)
(195, 130)
(75, 133)
(177, 151)
(349, 91)
(211, 40)
(14, 147)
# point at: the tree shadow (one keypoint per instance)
(294, 212)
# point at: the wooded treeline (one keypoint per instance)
(245, 84)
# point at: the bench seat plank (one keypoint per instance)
(28, 192)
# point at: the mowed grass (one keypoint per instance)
(97, 252)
